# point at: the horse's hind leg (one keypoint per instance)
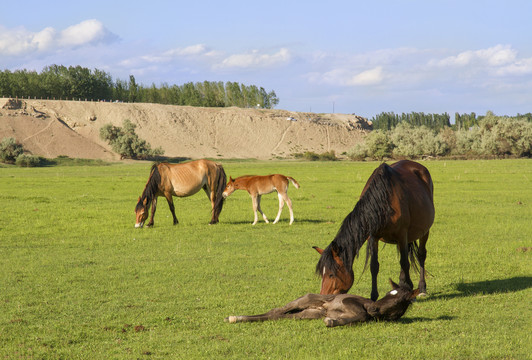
(212, 198)
(422, 255)
(306, 307)
(404, 278)
(281, 205)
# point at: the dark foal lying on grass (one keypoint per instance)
(338, 310)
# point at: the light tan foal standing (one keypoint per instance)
(257, 186)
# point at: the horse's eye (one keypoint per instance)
(331, 275)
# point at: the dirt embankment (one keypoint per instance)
(56, 127)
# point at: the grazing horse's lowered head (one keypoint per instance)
(335, 278)
(341, 309)
(141, 213)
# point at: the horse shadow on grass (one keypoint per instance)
(304, 221)
(487, 287)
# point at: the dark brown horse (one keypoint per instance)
(181, 180)
(396, 206)
(342, 309)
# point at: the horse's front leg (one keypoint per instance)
(374, 266)
(254, 202)
(345, 320)
(170, 201)
(153, 208)
(260, 210)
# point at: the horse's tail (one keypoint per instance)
(413, 254)
(220, 183)
(296, 184)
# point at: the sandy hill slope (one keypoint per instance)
(56, 127)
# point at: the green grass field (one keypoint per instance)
(78, 281)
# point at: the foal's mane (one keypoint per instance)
(151, 188)
(370, 214)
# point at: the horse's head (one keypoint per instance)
(229, 188)
(335, 277)
(141, 212)
(394, 304)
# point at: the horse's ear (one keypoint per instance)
(318, 249)
(394, 285)
(337, 258)
(231, 179)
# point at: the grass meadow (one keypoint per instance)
(78, 281)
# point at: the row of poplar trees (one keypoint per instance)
(76, 82)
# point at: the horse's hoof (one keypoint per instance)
(231, 319)
(328, 322)
(423, 294)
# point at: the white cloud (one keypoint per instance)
(20, 42)
(256, 59)
(494, 56)
(369, 77)
(86, 32)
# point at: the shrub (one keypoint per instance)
(126, 142)
(10, 150)
(378, 145)
(312, 156)
(415, 142)
(359, 152)
(28, 160)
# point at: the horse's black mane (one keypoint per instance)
(151, 188)
(371, 213)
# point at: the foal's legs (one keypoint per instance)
(256, 206)
(422, 255)
(281, 205)
(360, 317)
(306, 307)
(374, 266)
(283, 198)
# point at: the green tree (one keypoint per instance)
(10, 150)
(126, 142)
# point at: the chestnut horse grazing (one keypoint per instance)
(342, 309)
(181, 180)
(257, 186)
(396, 206)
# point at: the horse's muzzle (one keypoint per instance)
(139, 225)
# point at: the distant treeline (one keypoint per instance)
(484, 136)
(76, 82)
(389, 120)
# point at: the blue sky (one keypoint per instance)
(362, 57)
